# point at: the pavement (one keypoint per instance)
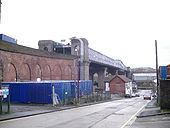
(152, 117)
(25, 110)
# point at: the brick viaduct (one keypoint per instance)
(19, 63)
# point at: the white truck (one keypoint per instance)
(128, 89)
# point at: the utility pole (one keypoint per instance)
(157, 73)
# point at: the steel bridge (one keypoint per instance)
(97, 57)
(90, 61)
(93, 62)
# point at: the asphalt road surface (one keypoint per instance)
(114, 114)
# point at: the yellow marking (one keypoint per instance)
(20, 118)
(132, 117)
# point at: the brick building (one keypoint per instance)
(168, 71)
(164, 93)
(120, 84)
(20, 63)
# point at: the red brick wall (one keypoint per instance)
(117, 86)
(168, 70)
(22, 67)
(165, 94)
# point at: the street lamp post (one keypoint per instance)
(78, 85)
(157, 73)
(79, 49)
(76, 49)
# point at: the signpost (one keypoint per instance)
(4, 97)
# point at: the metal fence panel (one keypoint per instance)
(40, 93)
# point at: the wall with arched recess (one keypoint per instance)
(25, 72)
(24, 67)
(74, 72)
(1, 70)
(37, 72)
(11, 72)
(66, 72)
(57, 72)
(46, 75)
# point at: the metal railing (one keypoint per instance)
(101, 58)
(83, 99)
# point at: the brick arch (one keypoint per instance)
(57, 73)
(1, 71)
(74, 73)
(67, 73)
(25, 72)
(11, 73)
(47, 73)
(38, 72)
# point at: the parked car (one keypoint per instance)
(133, 94)
(147, 96)
(128, 96)
(154, 95)
(137, 95)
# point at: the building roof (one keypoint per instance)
(15, 48)
(168, 65)
(122, 77)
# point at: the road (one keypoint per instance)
(114, 114)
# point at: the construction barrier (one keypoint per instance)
(48, 92)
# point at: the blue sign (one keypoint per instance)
(4, 92)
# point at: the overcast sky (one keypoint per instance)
(120, 29)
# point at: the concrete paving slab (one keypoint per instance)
(152, 117)
(158, 121)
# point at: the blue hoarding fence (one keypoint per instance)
(163, 72)
(47, 92)
(7, 38)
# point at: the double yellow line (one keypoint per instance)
(20, 118)
(127, 122)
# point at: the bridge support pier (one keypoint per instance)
(101, 77)
(79, 47)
